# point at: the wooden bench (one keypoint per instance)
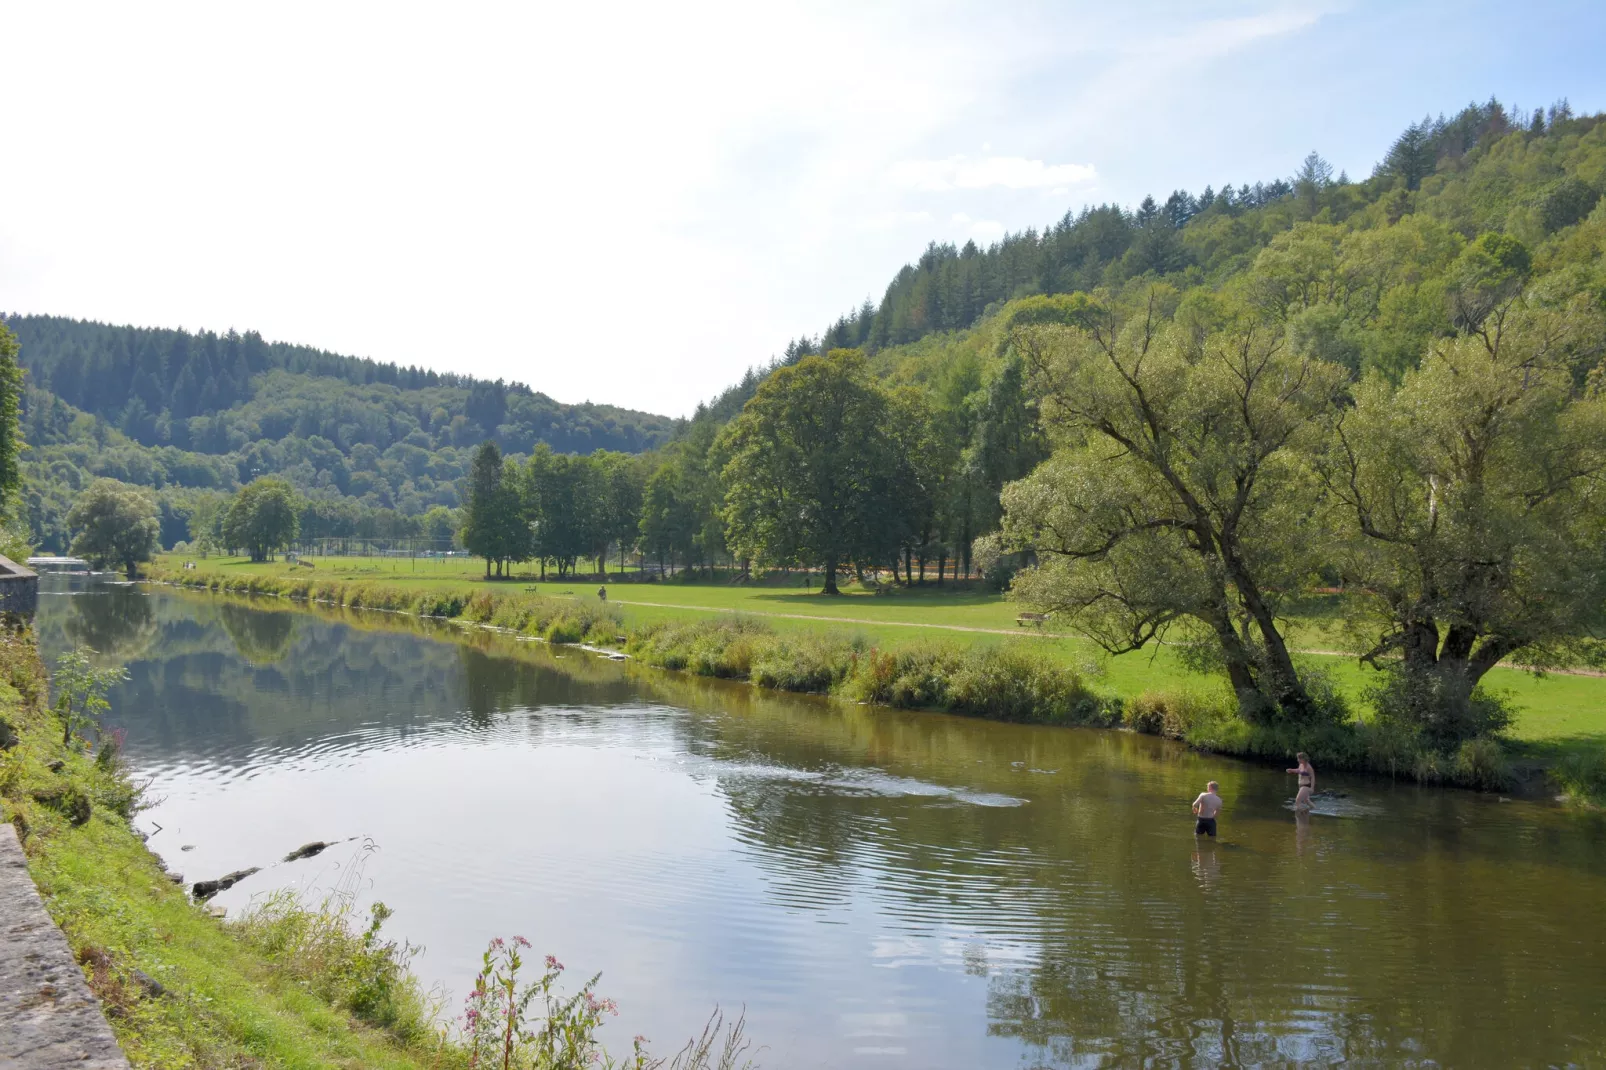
(1035, 619)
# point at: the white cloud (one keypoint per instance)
(987, 172)
(986, 229)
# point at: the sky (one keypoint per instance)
(632, 203)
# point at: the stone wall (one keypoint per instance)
(19, 588)
(49, 1020)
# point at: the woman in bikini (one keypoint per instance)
(1307, 781)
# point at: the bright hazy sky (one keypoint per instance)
(632, 203)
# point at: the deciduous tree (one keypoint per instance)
(1177, 490)
(809, 467)
(116, 525)
(263, 517)
(1475, 494)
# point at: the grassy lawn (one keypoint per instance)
(1557, 711)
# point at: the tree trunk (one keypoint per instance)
(942, 566)
(830, 577)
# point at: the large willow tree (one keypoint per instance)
(1476, 501)
(1178, 492)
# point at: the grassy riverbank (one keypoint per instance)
(956, 650)
(181, 988)
(291, 984)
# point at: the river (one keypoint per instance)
(877, 888)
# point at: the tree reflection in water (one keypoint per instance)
(117, 622)
(261, 636)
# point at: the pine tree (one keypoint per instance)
(485, 499)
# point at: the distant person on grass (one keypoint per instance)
(602, 593)
(1307, 781)
(1205, 808)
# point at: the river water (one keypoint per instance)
(876, 888)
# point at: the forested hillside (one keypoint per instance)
(182, 413)
(1365, 274)
(1179, 421)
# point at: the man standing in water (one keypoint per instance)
(1307, 781)
(1205, 808)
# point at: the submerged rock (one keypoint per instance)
(307, 850)
(205, 890)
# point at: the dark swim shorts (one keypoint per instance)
(1206, 826)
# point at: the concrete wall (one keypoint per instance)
(49, 1020)
(19, 588)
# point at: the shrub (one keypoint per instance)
(1174, 714)
(564, 630)
(1481, 764)
(1439, 706)
(1392, 747)
(803, 663)
(1582, 777)
(911, 678)
(357, 970)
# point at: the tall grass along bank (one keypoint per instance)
(1007, 681)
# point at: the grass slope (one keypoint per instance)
(225, 1004)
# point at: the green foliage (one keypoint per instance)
(218, 393)
(320, 945)
(15, 540)
(1000, 683)
(577, 507)
(1472, 492)
(11, 445)
(262, 518)
(1582, 777)
(369, 447)
(1437, 705)
(812, 469)
(1175, 714)
(1178, 491)
(494, 525)
(116, 525)
(81, 688)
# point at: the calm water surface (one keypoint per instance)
(879, 889)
